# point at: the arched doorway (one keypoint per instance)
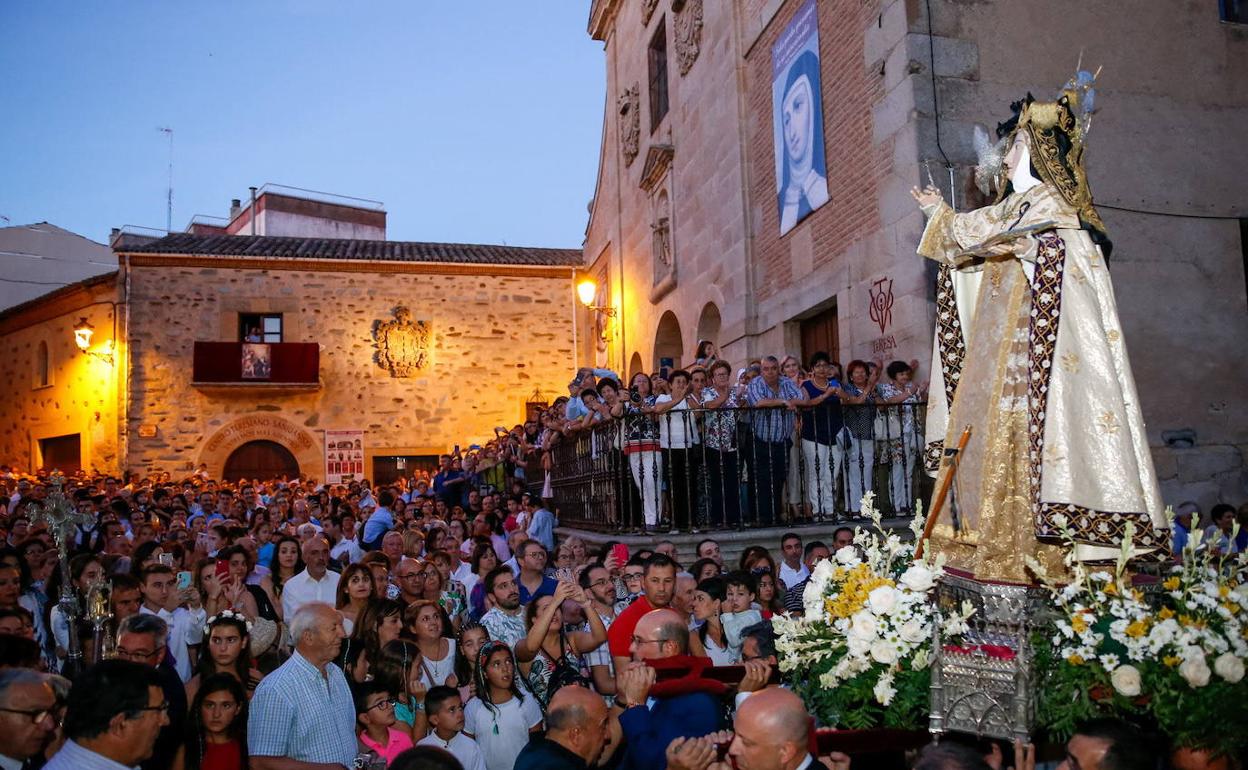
(708, 324)
(260, 460)
(634, 366)
(669, 345)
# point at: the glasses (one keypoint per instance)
(36, 715)
(602, 582)
(163, 708)
(388, 703)
(135, 655)
(632, 575)
(637, 640)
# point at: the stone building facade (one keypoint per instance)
(684, 235)
(420, 346)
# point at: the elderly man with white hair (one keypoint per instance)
(302, 715)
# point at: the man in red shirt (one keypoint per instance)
(658, 586)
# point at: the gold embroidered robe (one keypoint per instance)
(1029, 352)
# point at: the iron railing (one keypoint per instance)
(711, 469)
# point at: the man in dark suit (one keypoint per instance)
(650, 723)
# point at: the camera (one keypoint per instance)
(634, 396)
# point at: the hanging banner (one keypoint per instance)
(797, 119)
(344, 456)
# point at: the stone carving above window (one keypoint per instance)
(629, 107)
(647, 10)
(688, 15)
(402, 344)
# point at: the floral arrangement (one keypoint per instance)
(1175, 663)
(859, 656)
(227, 615)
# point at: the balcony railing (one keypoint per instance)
(293, 365)
(715, 469)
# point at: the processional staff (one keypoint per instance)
(63, 521)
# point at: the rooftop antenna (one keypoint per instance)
(169, 199)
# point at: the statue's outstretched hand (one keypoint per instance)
(928, 196)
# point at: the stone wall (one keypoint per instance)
(80, 394)
(495, 340)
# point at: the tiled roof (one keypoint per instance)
(264, 246)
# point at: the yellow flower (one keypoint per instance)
(1075, 660)
(1078, 623)
(858, 583)
(1166, 613)
(1170, 584)
(1172, 660)
(1110, 589)
(1137, 629)
(1231, 608)
(1224, 591)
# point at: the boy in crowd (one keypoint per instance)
(446, 724)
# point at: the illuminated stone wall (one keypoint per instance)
(495, 340)
(79, 395)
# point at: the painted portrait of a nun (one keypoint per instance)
(801, 170)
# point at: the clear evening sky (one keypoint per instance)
(472, 120)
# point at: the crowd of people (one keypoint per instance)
(706, 446)
(286, 624)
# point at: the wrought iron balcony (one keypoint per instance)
(268, 366)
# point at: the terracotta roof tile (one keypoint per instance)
(340, 248)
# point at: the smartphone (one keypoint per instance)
(222, 570)
(165, 559)
(203, 541)
(184, 581)
(620, 552)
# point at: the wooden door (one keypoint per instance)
(820, 333)
(260, 460)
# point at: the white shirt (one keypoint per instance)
(792, 577)
(676, 430)
(302, 588)
(348, 549)
(461, 746)
(503, 733)
(462, 573)
(185, 628)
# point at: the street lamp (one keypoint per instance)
(586, 291)
(82, 338)
(82, 334)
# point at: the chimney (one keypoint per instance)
(236, 208)
(253, 210)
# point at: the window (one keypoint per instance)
(1233, 11)
(43, 366)
(259, 327)
(658, 75)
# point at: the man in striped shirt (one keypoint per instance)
(815, 552)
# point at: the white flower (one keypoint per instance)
(1109, 661)
(912, 632)
(883, 652)
(1126, 680)
(863, 625)
(1229, 667)
(918, 578)
(1195, 671)
(920, 660)
(823, 571)
(884, 690)
(847, 556)
(882, 600)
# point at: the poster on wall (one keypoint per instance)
(257, 361)
(797, 119)
(344, 456)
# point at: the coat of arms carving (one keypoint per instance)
(402, 344)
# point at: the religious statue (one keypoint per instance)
(1029, 355)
